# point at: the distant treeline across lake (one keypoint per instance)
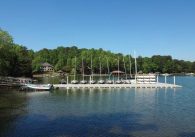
(17, 60)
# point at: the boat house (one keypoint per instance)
(46, 67)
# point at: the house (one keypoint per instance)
(45, 67)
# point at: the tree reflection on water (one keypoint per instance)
(12, 105)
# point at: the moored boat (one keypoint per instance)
(74, 82)
(118, 82)
(39, 86)
(109, 82)
(92, 82)
(101, 82)
(83, 82)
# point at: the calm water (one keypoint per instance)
(100, 112)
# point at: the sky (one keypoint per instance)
(149, 27)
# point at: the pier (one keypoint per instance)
(78, 86)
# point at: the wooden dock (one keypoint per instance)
(78, 86)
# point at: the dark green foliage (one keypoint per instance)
(16, 60)
(63, 58)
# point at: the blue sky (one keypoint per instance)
(150, 27)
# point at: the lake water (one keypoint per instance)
(100, 112)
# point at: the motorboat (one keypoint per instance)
(39, 86)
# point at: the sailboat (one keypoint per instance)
(83, 69)
(108, 81)
(130, 74)
(126, 81)
(74, 81)
(118, 81)
(91, 78)
(101, 81)
(133, 79)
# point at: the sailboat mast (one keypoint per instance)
(118, 68)
(75, 68)
(83, 69)
(108, 68)
(130, 66)
(135, 65)
(125, 67)
(91, 68)
(100, 68)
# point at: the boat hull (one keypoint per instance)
(39, 86)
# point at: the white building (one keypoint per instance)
(146, 78)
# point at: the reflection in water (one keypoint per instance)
(12, 105)
(101, 112)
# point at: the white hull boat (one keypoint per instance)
(83, 82)
(39, 86)
(74, 82)
(101, 82)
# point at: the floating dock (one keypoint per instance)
(78, 86)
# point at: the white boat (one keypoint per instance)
(118, 82)
(109, 82)
(74, 82)
(92, 82)
(39, 86)
(166, 74)
(126, 81)
(189, 74)
(83, 82)
(101, 82)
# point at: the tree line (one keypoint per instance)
(17, 60)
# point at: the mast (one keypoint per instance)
(135, 65)
(130, 66)
(91, 68)
(108, 68)
(75, 68)
(118, 68)
(83, 69)
(125, 67)
(100, 68)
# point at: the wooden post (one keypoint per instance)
(157, 78)
(67, 79)
(90, 80)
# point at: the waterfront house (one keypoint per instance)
(46, 67)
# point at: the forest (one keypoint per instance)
(16, 60)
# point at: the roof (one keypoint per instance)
(46, 64)
(60, 71)
(116, 72)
